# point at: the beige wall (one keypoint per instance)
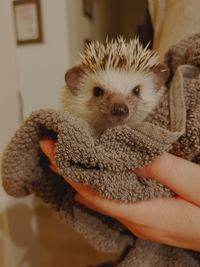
(80, 27)
(42, 66)
(9, 83)
(17, 224)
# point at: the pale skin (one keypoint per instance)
(171, 221)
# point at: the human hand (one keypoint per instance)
(172, 221)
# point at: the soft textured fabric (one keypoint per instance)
(106, 163)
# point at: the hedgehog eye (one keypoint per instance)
(97, 91)
(136, 90)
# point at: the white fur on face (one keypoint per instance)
(123, 82)
(118, 82)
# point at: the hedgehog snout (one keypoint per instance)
(119, 110)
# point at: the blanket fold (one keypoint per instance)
(106, 163)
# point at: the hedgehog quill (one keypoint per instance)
(116, 83)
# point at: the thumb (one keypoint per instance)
(178, 174)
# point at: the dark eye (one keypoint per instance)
(97, 91)
(136, 90)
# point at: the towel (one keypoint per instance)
(106, 163)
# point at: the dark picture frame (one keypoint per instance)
(88, 8)
(27, 18)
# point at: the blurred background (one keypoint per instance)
(39, 41)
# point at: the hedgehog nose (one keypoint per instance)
(119, 110)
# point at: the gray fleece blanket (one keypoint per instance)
(106, 164)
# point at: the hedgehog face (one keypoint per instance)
(118, 82)
(107, 98)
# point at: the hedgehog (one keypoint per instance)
(116, 83)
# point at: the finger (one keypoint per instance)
(180, 175)
(93, 200)
(170, 220)
(131, 226)
(81, 188)
(86, 202)
(48, 147)
(139, 212)
(157, 213)
(97, 203)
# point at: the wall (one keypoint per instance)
(42, 66)
(9, 83)
(80, 27)
(17, 223)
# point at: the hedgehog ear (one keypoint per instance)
(73, 76)
(161, 74)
